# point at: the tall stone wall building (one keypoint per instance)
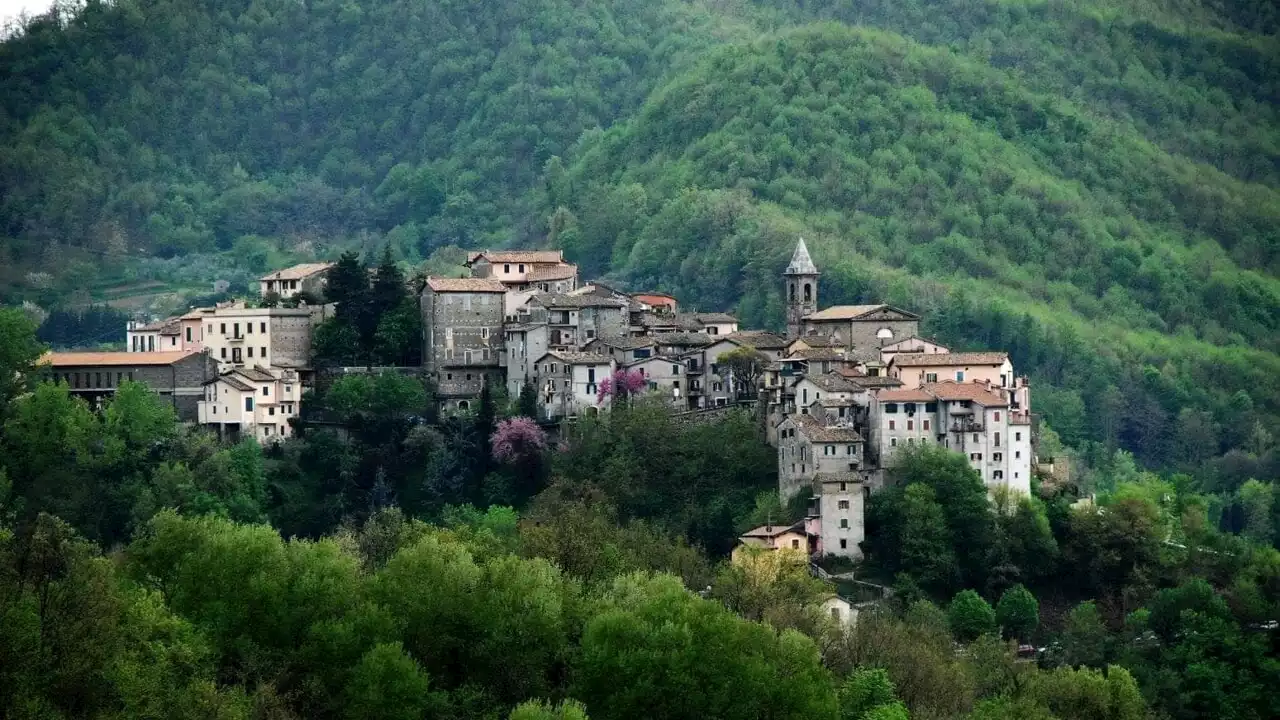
(177, 377)
(462, 337)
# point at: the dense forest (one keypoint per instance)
(1095, 187)
(381, 567)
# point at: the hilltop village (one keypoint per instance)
(838, 395)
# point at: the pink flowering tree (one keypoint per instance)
(621, 385)
(517, 440)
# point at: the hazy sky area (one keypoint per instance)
(11, 8)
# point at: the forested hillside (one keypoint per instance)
(1095, 186)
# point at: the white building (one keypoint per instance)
(251, 402)
(239, 336)
(569, 382)
(287, 283)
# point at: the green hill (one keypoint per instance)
(1095, 188)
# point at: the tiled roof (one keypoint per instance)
(557, 300)
(916, 395)
(909, 339)
(877, 381)
(517, 256)
(714, 318)
(555, 272)
(255, 374)
(441, 284)
(832, 382)
(771, 531)
(628, 343)
(816, 431)
(819, 341)
(949, 359)
(578, 358)
(758, 339)
(233, 381)
(120, 359)
(974, 392)
(298, 272)
(820, 353)
(843, 312)
(685, 339)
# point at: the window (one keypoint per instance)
(844, 543)
(931, 407)
(959, 376)
(77, 381)
(151, 344)
(262, 327)
(910, 408)
(843, 505)
(828, 449)
(248, 327)
(931, 377)
(1017, 436)
(997, 457)
(188, 334)
(1017, 454)
(675, 369)
(795, 544)
(997, 417)
(893, 425)
(466, 356)
(998, 474)
(210, 328)
(975, 437)
(97, 380)
(248, 404)
(997, 439)
(911, 441)
(484, 333)
(835, 613)
(506, 267)
(591, 334)
(844, 523)
(263, 352)
(448, 376)
(848, 449)
(235, 329)
(553, 367)
(893, 442)
(591, 375)
(911, 424)
(891, 408)
(119, 379)
(271, 410)
(675, 384)
(641, 353)
(522, 268)
(926, 425)
(250, 351)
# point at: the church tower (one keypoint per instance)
(801, 280)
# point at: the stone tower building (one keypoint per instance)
(801, 278)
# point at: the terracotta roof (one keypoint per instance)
(877, 381)
(916, 395)
(440, 284)
(832, 382)
(816, 431)
(121, 359)
(758, 339)
(949, 359)
(298, 272)
(255, 374)
(557, 272)
(853, 312)
(578, 358)
(974, 392)
(517, 256)
(771, 531)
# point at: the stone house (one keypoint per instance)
(576, 320)
(569, 382)
(524, 344)
(543, 270)
(177, 377)
(462, 328)
(624, 350)
(809, 448)
(252, 402)
(664, 374)
(287, 283)
(779, 538)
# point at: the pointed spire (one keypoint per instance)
(801, 263)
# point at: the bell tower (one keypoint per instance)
(800, 288)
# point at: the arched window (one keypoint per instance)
(463, 405)
(791, 291)
(885, 334)
(808, 292)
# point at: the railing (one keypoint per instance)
(967, 426)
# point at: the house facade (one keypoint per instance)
(310, 278)
(544, 270)
(462, 329)
(569, 383)
(251, 402)
(177, 377)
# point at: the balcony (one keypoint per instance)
(235, 338)
(966, 426)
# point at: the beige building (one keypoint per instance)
(787, 538)
(310, 278)
(251, 402)
(239, 336)
(911, 345)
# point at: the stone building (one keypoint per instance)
(576, 320)
(240, 336)
(800, 281)
(543, 270)
(462, 330)
(177, 377)
(825, 462)
(310, 278)
(252, 402)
